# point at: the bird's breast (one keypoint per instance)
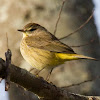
(38, 58)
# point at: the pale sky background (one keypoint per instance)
(97, 15)
(4, 95)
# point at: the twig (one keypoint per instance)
(84, 44)
(77, 84)
(80, 45)
(78, 27)
(7, 40)
(0, 79)
(63, 2)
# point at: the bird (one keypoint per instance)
(41, 49)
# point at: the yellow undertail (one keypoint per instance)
(65, 56)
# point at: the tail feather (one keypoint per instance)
(84, 57)
(65, 56)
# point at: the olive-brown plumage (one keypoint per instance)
(42, 49)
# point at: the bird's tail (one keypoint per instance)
(84, 57)
(65, 56)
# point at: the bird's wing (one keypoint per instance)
(48, 44)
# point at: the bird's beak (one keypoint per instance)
(21, 30)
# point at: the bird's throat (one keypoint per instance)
(24, 35)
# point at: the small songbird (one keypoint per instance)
(41, 49)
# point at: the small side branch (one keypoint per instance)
(77, 84)
(59, 16)
(90, 42)
(78, 27)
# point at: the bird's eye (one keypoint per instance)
(32, 29)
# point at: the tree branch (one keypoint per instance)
(39, 86)
(79, 28)
(77, 84)
(63, 2)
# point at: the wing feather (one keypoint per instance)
(52, 45)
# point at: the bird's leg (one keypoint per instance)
(31, 69)
(39, 71)
(49, 74)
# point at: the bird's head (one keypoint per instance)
(31, 29)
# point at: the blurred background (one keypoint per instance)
(15, 14)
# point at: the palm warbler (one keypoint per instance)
(41, 49)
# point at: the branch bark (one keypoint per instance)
(37, 85)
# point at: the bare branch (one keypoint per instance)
(59, 16)
(84, 44)
(37, 85)
(80, 45)
(7, 41)
(78, 27)
(77, 84)
(0, 79)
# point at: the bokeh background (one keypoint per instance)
(15, 14)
